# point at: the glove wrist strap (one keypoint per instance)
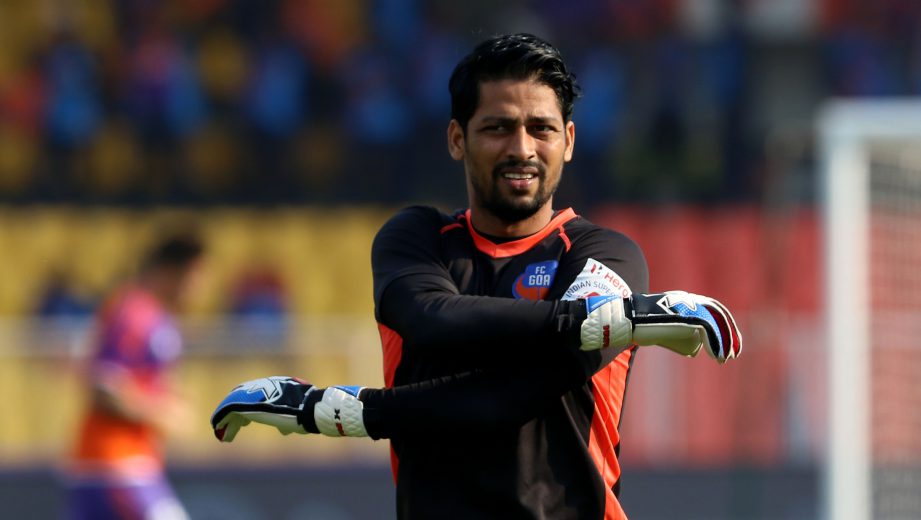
(339, 412)
(305, 416)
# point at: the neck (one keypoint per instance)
(486, 222)
(158, 285)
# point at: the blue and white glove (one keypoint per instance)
(607, 324)
(677, 320)
(289, 404)
(684, 322)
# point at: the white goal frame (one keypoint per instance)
(845, 129)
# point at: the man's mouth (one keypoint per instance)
(518, 175)
(519, 180)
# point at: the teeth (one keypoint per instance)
(518, 175)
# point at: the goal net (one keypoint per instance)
(871, 198)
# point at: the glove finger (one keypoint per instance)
(713, 333)
(732, 337)
(236, 396)
(720, 348)
(217, 418)
(227, 429)
(734, 328)
(226, 433)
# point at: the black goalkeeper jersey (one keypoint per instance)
(538, 437)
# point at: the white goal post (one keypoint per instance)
(852, 136)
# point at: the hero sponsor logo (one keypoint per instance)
(535, 281)
(596, 279)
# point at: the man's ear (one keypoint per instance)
(570, 140)
(456, 140)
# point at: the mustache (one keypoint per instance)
(514, 163)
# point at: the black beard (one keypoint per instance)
(505, 210)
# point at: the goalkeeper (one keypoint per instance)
(508, 329)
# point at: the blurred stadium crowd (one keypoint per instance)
(287, 101)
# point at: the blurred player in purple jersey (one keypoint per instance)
(117, 468)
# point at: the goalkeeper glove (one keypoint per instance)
(684, 322)
(680, 321)
(292, 406)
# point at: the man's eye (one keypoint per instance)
(542, 131)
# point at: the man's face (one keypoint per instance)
(514, 148)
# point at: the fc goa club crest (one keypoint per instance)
(535, 281)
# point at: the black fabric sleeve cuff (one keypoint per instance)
(569, 321)
(305, 415)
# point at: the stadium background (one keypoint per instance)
(287, 131)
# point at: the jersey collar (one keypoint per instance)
(516, 247)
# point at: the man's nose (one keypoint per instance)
(520, 145)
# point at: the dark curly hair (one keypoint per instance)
(177, 251)
(513, 56)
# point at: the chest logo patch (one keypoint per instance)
(535, 281)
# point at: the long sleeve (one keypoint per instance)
(424, 305)
(416, 296)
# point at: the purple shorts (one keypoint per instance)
(153, 499)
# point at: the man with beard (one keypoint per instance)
(508, 329)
